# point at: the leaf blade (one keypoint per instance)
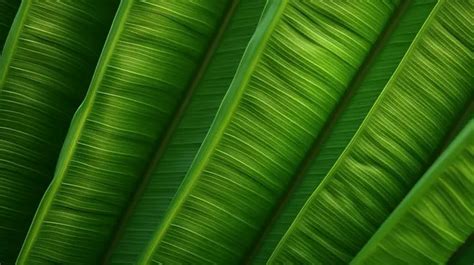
(139, 79)
(385, 56)
(43, 73)
(169, 170)
(227, 169)
(432, 221)
(408, 128)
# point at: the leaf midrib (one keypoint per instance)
(427, 181)
(268, 20)
(76, 129)
(326, 131)
(173, 125)
(462, 118)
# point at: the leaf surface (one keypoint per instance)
(364, 89)
(398, 140)
(436, 216)
(292, 76)
(163, 72)
(45, 69)
(174, 156)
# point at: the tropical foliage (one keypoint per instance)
(236, 131)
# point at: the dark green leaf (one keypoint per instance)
(8, 9)
(44, 72)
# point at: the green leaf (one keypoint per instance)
(398, 140)
(175, 155)
(8, 9)
(165, 67)
(435, 217)
(364, 89)
(291, 78)
(45, 68)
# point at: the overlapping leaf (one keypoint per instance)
(396, 143)
(175, 156)
(288, 84)
(308, 78)
(372, 77)
(435, 218)
(162, 73)
(45, 70)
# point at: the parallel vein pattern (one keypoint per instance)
(187, 138)
(435, 218)
(149, 59)
(44, 73)
(366, 86)
(252, 151)
(393, 147)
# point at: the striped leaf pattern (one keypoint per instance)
(369, 82)
(44, 73)
(236, 131)
(393, 146)
(140, 90)
(172, 163)
(287, 80)
(132, 95)
(435, 218)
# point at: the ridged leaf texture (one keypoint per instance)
(435, 218)
(154, 82)
(379, 65)
(398, 140)
(271, 111)
(236, 131)
(45, 69)
(172, 163)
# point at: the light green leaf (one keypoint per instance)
(165, 68)
(401, 136)
(364, 89)
(291, 78)
(435, 217)
(45, 68)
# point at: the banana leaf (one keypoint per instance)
(175, 155)
(401, 136)
(164, 69)
(206, 138)
(293, 74)
(436, 216)
(45, 69)
(372, 76)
